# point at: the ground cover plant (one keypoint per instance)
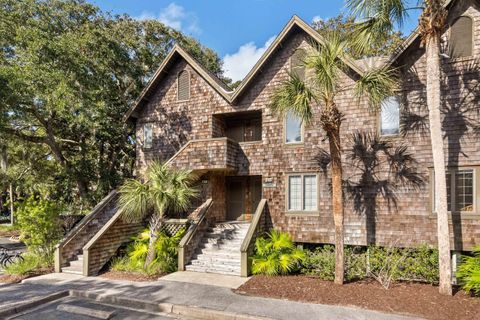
(469, 272)
(276, 254)
(165, 259)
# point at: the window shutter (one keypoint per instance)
(461, 38)
(296, 63)
(183, 86)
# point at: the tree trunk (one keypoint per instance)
(434, 104)
(12, 217)
(331, 120)
(156, 221)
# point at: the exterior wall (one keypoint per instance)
(406, 221)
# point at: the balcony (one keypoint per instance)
(215, 154)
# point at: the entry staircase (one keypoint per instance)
(219, 249)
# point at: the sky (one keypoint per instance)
(239, 31)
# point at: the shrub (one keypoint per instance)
(166, 254)
(40, 227)
(26, 266)
(321, 263)
(276, 254)
(468, 272)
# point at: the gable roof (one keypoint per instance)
(217, 84)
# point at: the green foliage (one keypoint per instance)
(40, 226)
(166, 254)
(346, 26)
(386, 264)
(68, 73)
(321, 263)
(276, 254)
(419, 264)
(469, 272)
(30, 264)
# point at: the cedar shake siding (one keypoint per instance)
(405, 219)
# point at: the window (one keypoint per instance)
(461, 190)
(297, 63)
(302, 192)
(461, 38)
(147, 135)
(293, 128)
(183, 86)
(390, 116)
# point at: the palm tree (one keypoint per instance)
(326, 62)
(379, 18)
(163, 189)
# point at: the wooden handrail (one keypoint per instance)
(84, 222)
(250, 237)
(192, 230)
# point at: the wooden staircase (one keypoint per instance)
(219, 249)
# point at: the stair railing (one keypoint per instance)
(190, 240)
(257, 227)
(72, 234)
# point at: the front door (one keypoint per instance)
(235, 198)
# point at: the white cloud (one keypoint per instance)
(176, 17)
(317, 19)
(238, 64)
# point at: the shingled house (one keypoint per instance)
(243, 154)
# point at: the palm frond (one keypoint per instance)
(376, 85)
(295, 96)
(134, 201)
(377, 20)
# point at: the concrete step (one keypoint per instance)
(215, 261)
(73, 270)
(230, 271)
(222, 252)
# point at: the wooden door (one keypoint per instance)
(235, 199)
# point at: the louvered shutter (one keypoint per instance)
(461, 38)
(183, 86)
(296, 63)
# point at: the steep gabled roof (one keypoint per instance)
(217, 84)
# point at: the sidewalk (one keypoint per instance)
(186, 294)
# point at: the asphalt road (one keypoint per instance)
(50, 311)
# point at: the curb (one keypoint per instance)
(15, 308)
(195, 312)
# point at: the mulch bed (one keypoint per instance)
(8, 234)
(130, 276)
(403, 298)
(7, 278)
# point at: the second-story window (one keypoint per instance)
(461, 38)
(147, 135)
(183, 86)
(293, 128)
(390, 116)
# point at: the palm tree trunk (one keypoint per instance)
(155, 225)
(12, 218)
(331, 119)
(440, 194)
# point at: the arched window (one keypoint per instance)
(461, 38)
(297, 63)
(183, 86)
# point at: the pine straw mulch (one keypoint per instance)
(130, 276)
(10, 278)
(403, 298)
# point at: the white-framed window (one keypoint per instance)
(183, 86)
(461, 190)
(302, 192)
(390, 116)
(147, 135)
(293, 129)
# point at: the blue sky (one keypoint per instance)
(238, 31)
